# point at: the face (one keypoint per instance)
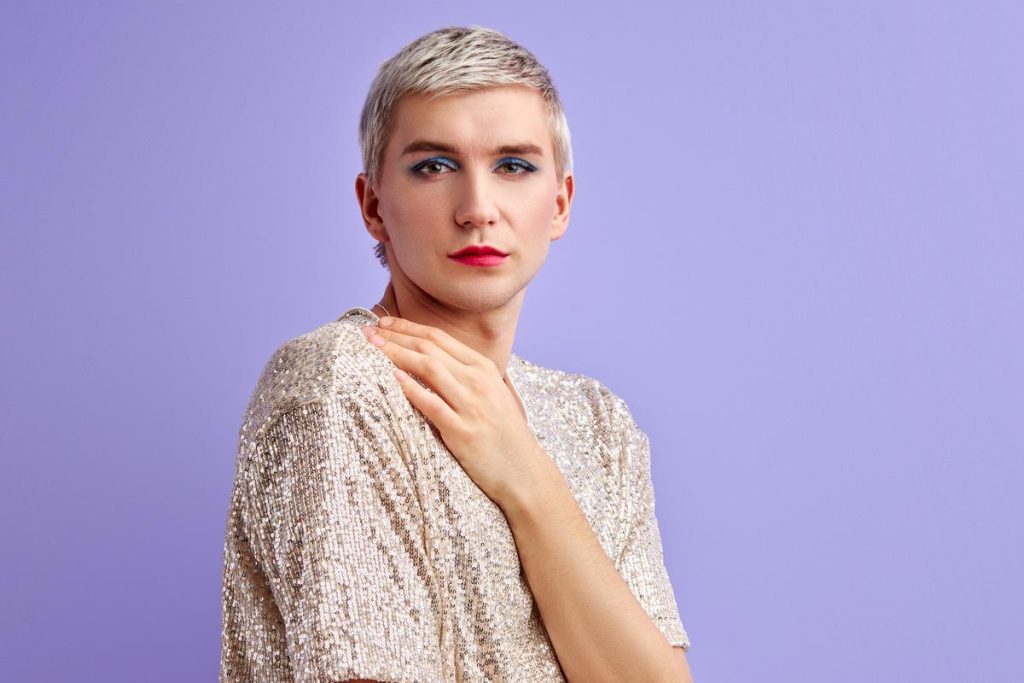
(470, 169)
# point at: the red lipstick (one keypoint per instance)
(479, 255)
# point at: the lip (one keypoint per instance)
(477, 259)
(478, 249)
(479, 255)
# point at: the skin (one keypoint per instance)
(421, 218)
(455, 333)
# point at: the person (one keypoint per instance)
(412, 500)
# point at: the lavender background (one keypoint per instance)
(796, 251)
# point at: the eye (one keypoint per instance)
(517, 166)
(434, 166)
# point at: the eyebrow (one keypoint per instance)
(433, 146)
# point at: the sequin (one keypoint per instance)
(357, 547)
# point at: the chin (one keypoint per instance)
(481, 299)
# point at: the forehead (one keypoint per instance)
(474, 122)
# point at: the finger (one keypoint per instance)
(435, 371)
(425, 346)
(445, 341)
(430, 404)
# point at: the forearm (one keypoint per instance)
(599, 630)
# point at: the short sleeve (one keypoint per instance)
(641, 562)
(338, 531)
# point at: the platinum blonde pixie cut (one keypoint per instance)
(450, 60)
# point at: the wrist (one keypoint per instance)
(537, 492)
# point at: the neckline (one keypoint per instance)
(511, 370)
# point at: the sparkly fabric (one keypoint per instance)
(357, 547)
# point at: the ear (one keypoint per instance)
(369, 207)
(563, 203)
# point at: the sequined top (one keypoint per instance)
(357, 547)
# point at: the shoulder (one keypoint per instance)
(592, 416)
(578, 396)
(594, 410)
(333, 360)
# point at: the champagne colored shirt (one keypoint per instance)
(357, 547)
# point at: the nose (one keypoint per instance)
(476, 206)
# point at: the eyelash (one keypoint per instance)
(510, 161)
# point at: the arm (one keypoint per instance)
(599, 630)
(342, 553)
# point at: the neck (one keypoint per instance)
(490, 333)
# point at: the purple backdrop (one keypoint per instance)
(796, 251)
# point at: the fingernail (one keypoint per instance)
(385, 321)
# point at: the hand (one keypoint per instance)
(473, 409)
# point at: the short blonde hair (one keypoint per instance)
(450, 60)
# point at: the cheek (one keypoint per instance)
(541, 208)
(408, 206)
